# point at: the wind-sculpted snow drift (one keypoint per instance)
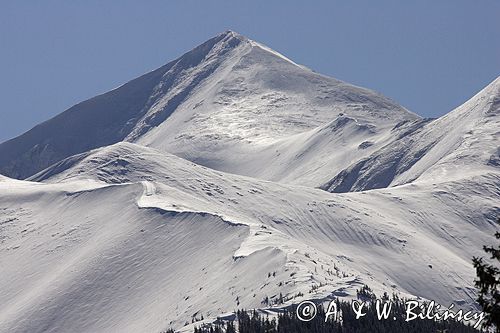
(205, 186)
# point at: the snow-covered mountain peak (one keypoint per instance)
(233, 34)
(227, 94)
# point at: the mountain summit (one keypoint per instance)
(228, 93)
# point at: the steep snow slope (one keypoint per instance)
(152, 240)
(260, 112)
(462, 143)
(471, 142)
(108, 118)
(226, 99)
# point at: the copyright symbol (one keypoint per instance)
(306, 311)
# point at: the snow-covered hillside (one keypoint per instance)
(232, 178)
(128, 238)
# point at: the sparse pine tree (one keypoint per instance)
(488, 281)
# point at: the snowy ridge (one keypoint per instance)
(229, 177)
(386, 238)
(459, 144)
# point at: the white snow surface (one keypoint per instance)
(260, 114)
(244, 176)
(129, 238)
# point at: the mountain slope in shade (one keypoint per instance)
(228, 97)
(463, 142)
(128, 238)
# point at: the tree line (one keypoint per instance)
(288, 322)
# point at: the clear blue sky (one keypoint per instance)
(429, 55)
